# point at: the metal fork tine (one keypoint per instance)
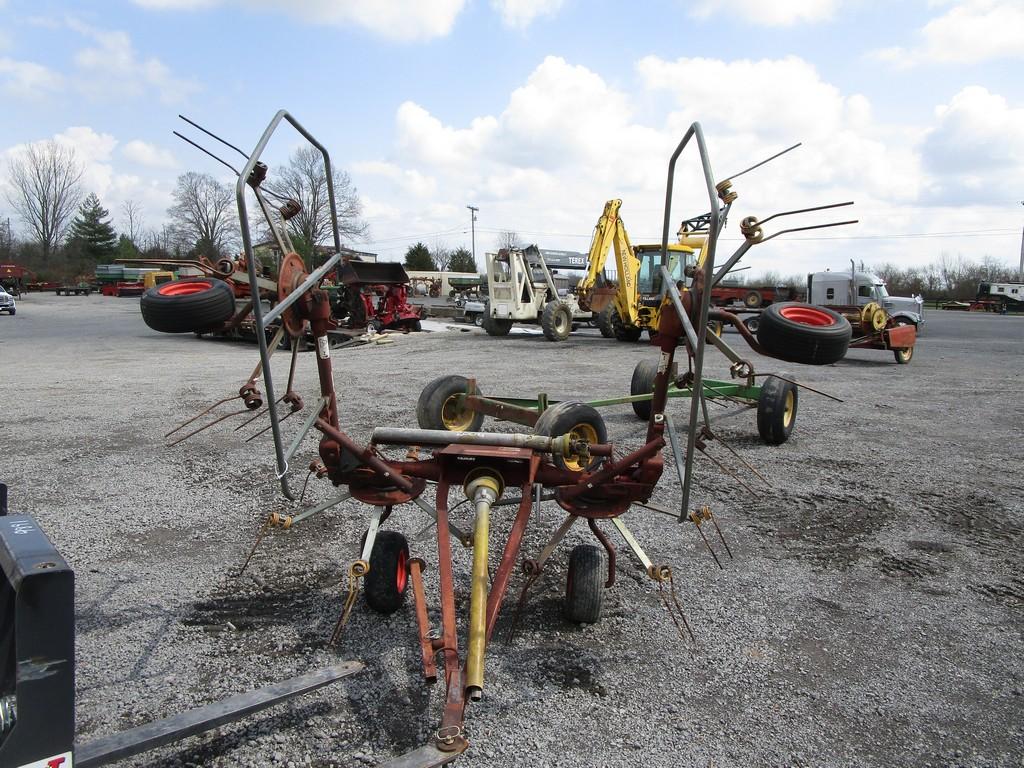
(202, 413)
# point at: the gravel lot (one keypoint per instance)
(872, 615)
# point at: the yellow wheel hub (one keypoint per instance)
(580, 432)
(456, 418)
(787, 414)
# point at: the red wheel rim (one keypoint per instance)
(402, 572)
(807, 316)
(184, 289)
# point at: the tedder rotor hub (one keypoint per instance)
(290, 276)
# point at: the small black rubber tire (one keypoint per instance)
(435, 410)
(556, 321)
(584, 584)
(495, 326)
(478, 320)
(904, 356)
(385, 583)
(776, 412)
(787, 338)
(604, 322)
(578, 419)
(753, 300)
(643, 384)
(622, 331)
(170, 308)
(752, 323)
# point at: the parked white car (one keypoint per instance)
(7, 303)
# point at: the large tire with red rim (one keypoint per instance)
(803, 333)
(189, 305)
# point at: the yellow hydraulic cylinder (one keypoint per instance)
(484, 490)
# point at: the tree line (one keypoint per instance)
(65, 230)
(950, 277)
(441, 258)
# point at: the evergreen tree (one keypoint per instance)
(462, 261)
(91, 234)
(418, 258)
(126, 248)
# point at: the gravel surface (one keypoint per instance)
(871, 616)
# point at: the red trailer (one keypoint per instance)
(14, 278)
(751, 296)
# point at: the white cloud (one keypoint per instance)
(976, 149)
(411, 181)
(26, 79)
(519, 14)
(148, 154)
(971, 31)
(779, 13)
(113, 68)
(567, 140)
(393, 19)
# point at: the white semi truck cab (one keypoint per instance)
(855, 289)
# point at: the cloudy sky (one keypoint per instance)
(537, 111)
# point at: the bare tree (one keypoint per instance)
(204, 214)
(510, 240)
(133, 219)
(46, 181)
(442, 256)
(304, 180)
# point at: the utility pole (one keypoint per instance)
(472, 223)
(1020, 269)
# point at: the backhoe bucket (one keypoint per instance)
(600, 298)
(372, 273)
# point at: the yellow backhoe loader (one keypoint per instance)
(624, 310)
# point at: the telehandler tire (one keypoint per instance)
(556, 321)
(496, 327)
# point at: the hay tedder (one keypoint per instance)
(566, 460)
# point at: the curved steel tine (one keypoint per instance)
(253, 437)
(815, 226)
(207, 426)
(808, 210)
(259, 413)
(202, 413)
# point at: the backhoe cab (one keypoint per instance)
(626, 309)
(522, 289)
